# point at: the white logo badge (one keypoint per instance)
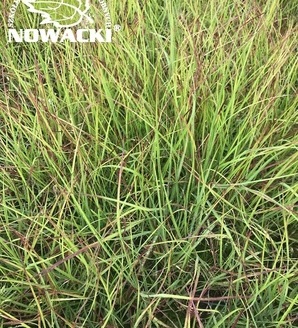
(58, 19)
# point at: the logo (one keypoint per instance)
(62, 20)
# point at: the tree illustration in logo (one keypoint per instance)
(60, 13)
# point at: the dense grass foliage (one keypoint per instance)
(153, 182)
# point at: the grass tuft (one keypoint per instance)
(152, 182)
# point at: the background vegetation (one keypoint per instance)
(153, 182)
